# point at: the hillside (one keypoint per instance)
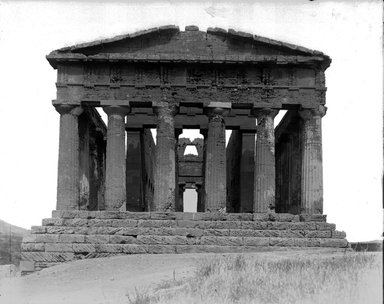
(10, 243)
(331, 276)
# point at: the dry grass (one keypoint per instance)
(349, 278)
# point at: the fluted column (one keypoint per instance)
(68, 167)
(215, 187)
(264, 190)
(165, 174)
(312, 161)
(115, 188)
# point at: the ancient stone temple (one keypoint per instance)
(121, 192)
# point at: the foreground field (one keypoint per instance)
(348, 278)
(322, 275)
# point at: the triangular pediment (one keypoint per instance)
(171, 44)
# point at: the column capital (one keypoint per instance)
(217, 109)
(117, 110)
(307, 114)
(262, 112)
(74, 110)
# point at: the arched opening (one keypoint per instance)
(190, 200)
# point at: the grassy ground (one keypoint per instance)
(342, 278)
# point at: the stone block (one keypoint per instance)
(255, 225)
(239, 217)
(255, 241)
(189, 223)
(337, 243)
(75, 222)
(53, 222)
(338, 234)
(110, 248)
(261, 217)
(301, 226)
(120, 239)
(313, 218)
(318, 234)
(162, 216)
(97, 239)
(107, 215)
(224, 225)
(133, 249)
(131, 231)
(325, 226)
(161, 249)
(306, 242)
(71, 238)
(58, 247)
(53, 257)
(65, 230)
(150, 239)
(215, 232)
(284, 242)
(41, 238)
(32, 247)
(38, 229)
(190, 248)
(135, 215)
(77, 248)
(156, 223)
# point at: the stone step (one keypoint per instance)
(195, 216)
(53, 252)
(201, 224)
(72, 235)
(57, 233)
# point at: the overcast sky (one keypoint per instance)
(349, 32)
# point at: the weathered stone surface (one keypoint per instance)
(312, 161)
(215, 160)
(32, 247)
(340, 243)
(41, 238)
(68, 169)
(251, 241)
(338, 234)
(285, 242)
(264, 188)
(47, 256)
(313, 218)
(71, 238)
(306, 242)
(53, 222)
(120, 239)
(165, 171)
(161, 248)
(318, 234)
(80, 248)
(58, 247)
(97, 239)
(115, 187)
(38, 229)
(325, 226)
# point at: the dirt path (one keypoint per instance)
(106, 280)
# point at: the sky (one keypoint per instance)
(350, 32)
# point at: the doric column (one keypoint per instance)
(68, 168)
(165, 174)
(247, 171)
(264, 190)
(115, 188)
(215, 187)
(312, 161)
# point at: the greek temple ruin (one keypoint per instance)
(120, 191)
